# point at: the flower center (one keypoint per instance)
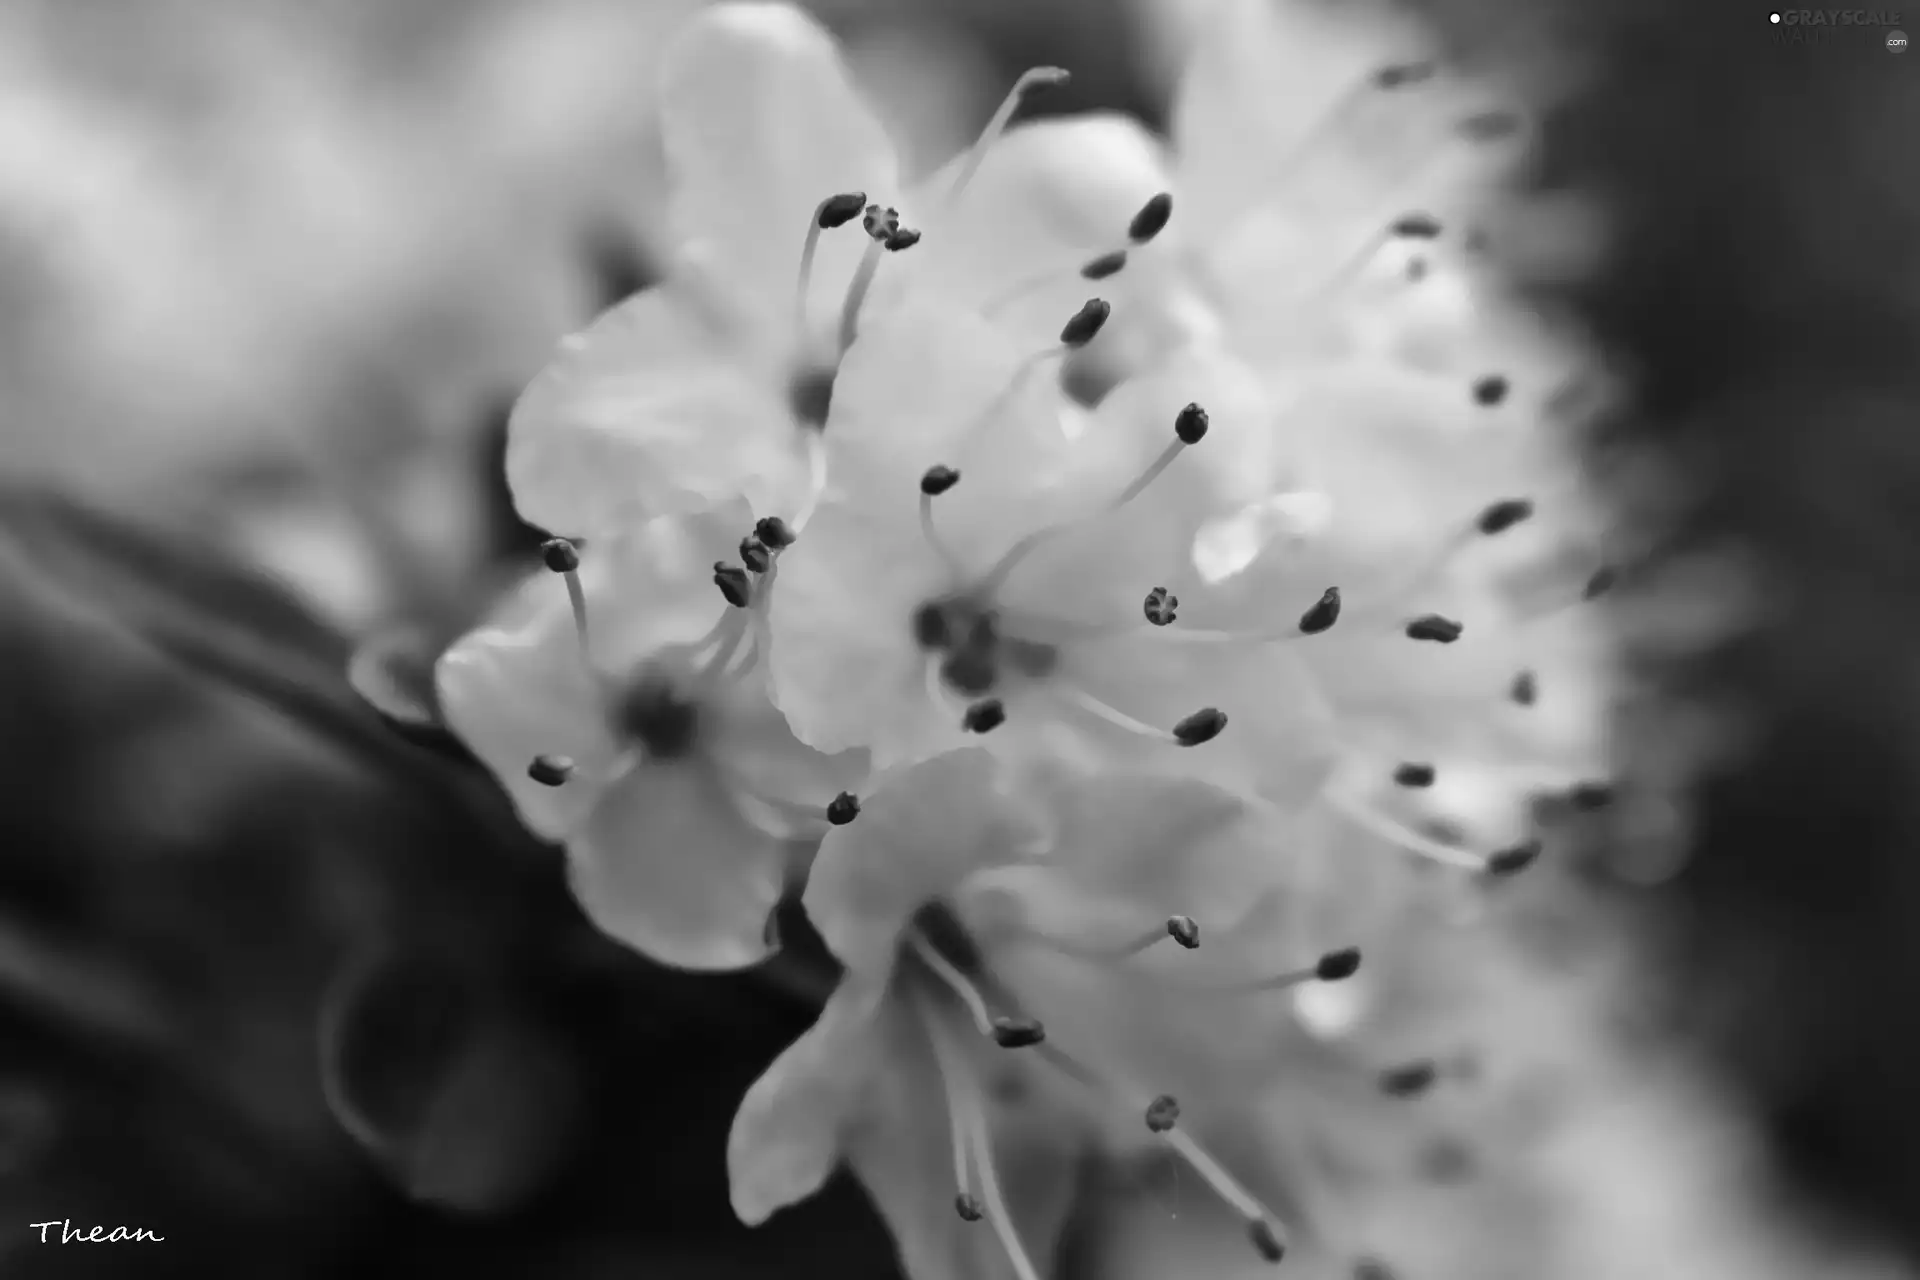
(657, 714)
(810, 394)
(966, 631)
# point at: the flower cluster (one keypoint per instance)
(1093, 580)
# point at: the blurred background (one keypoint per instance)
(271, 272)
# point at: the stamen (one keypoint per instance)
(1394, 833)
(1590, 797)
(984, 716)
(1181, 929)
(1410, 1080)
(1202, 726)
(1414, 775)
(1162, 1113)
(1510, 861)
(1119, 719)
(1416, 226)
(856, 297)
(563, 558)
(960, 1102)
(1034, 79)
(1490, 390)
(817, 477)
(754, 555)
(1502, 516)
(996, 1205)
(733, 583)
(1017, 1033)
(834, 211)
(843, 808)
(1334, 966)
(1433, 627)
(1525, 689)
(551, 771)
(1192, 421)
(1403, 74)
(1261, 1227)
(1086, 324)
(1325, 612)
(1152, 219)
(1100, 268)
(976, 1004)
(1160, 606)
(1184, 930)
(773, 533)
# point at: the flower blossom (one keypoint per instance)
(785, 206)
(627, 716)
(1002, 943)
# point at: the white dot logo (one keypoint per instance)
(1774, 18)
(1896, 42)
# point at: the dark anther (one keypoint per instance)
(1152, 218)
(1266, 1240)
(970, 669)
(754, 555)
(1086, 323)
(1017, 1033)
(1417, 226)
(1203, 725)
(1162, 1113)
(1184, 930)
(984, 716)
(1107, 264)
(550, 771)
(1191, 424)
(1409, 1081)
(1599, 584)
(655, 715)
(881, 223)
(773, 531)
(843, 808)
(810, 395)
(938, 480)
(1590, 797)
(561, 556)
(968, 1208)
(1490, 126)
(1414, 775)
(1525, 689)
(1502, 516)
(1435, 628)
(1325, 612)
(1490, 390)
(930, 628)
(904, 238)
(1518, 858)
(733, 583)
(1160, 605)
(1404, 73)
(1338, 965)
(838, 211)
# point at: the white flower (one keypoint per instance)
(1109, 949)
(637, 731)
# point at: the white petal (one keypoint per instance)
(668, 866)
(786, 1137)
(760, 123)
